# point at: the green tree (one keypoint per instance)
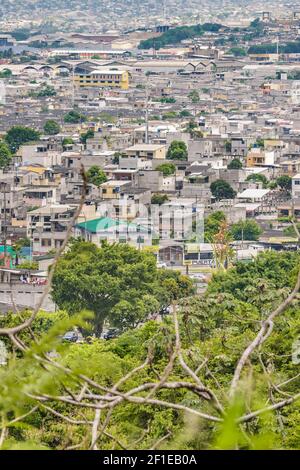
(38, 386)
(220, 189)
(116, 282)
(18, 246)
(29, 265)
(167, 169)
(235, 164)
(238, 51)
(169, 115)
(159, 199)
(67, 141)
(46, 91)
(74, 117)
(258, 178)
(246, 230)
(168, 99)
(194, 96)
(212, 225)
(6, 73)
(116, 158)
(5, 154)
(228, 146)
(177, 151)
(19, 135)
(191, 128)
(285, 182)
(89, 134)
(96, 176)
(260, 142)
(184, 113)
(51, 127)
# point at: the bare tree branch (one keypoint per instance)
(264, 332)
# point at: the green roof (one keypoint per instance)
(9, 250)
(104, 223)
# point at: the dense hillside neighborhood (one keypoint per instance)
(149, 225)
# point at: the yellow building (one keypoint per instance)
(146, 151)
(260, 157)
(104, 78)
(112, 189)
(270, 57)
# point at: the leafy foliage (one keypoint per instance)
(19, 135)
(285, 182)
(74, 117)
(258, 178)
(215, 329)
(116, 282)
(246, 230)
(51, 127)
(96, 176)
(220, 189)
(178, 34)
(177, 151)
(159, 199)
(212, 225)
(5, 155)
(167, 169)
(235, 164)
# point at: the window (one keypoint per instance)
(206, 255)
(191, 256)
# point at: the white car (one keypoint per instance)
(161, 265)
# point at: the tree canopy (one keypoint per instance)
(258, 178)
(245, 230)
(5, 154)
(235, 164)
(51, 127)
(177, 151)
(116, 282)
(19, 135)
(220, 189)
(167, 169)
(159, 199)
(96, 176)
(194, 96)
(164, 401)
(212, 225)
(5, 73)
(87, 135)
(285, 182)
(178, 34)
(74, 117)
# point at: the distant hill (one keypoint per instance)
(178, 34)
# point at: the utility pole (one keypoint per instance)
(242, 238)
(73, 85)
(164, 9)
(147, 113)
(3, 189)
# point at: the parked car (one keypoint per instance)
(199, 276)
(162, 265)
(165, 311)
(71, 336)
(111, 333)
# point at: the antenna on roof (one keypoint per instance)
(164, 9)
